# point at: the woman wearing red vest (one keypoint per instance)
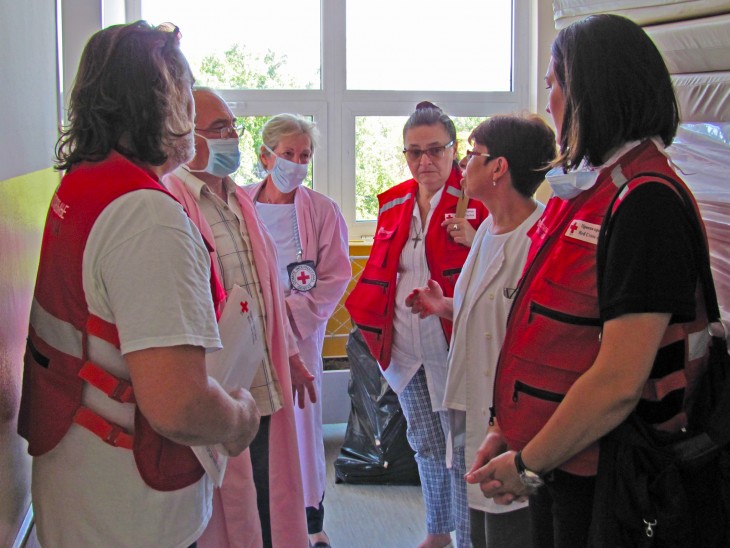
(415, 241)
(510, 158)
(581, 353)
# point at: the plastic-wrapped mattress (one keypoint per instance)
(701, 152)
(703, 97)
(643, 12)
(697, 45)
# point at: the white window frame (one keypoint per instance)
(334, 108)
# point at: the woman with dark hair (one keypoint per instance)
(414, 242)
(510, 158)
(588, 343)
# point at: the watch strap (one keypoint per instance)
(519, 463)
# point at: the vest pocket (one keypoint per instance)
(538, 393)
(557, 340)
(381, 244)
(370, 295)
(525, 405)
(563, 317)
(373, 337)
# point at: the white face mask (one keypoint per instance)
(569, 185)
(224, 157)
(287, 175)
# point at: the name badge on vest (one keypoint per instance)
(302, 275)
(469, 214)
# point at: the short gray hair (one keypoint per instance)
(285, 124)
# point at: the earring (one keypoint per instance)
(494, 183)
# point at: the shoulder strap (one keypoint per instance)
(713, 421)
(705, 271)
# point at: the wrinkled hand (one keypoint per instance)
(498, 479)
(249, 427)
(460, 231)
(301, 381)
(426, 301)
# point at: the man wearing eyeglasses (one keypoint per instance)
(244, 255)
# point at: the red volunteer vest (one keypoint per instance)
(56, 364)
(554, 328)
(371, 302)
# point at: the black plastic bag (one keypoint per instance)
(375, 449)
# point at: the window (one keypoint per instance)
(246, 45)
(415, 45)
(358, 68)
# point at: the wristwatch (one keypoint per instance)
(528, 477)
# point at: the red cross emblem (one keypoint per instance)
(573, 227)
(244, 307)
(303, 277)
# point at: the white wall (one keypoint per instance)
(28, 91)
(27, 136)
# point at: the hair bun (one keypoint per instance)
(427, 104)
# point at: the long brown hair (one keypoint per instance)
(131, 94)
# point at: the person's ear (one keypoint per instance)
(501, 166)
(264, 156)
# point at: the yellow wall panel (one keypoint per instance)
(339, 325)
(23, 205)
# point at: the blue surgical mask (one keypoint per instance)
(224, 157)
(569, 185)
(287, 175)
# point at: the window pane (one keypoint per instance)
(251, 171)
(246, 45)
(458, 45)
(379, 161)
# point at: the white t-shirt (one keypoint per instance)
(146, 269)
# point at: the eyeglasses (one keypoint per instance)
(414, 154)
(471, 154)
(224, 132)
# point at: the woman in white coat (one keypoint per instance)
(508, 162)
(314, 268)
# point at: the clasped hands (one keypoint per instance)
(495, 472)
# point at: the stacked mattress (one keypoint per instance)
(694, 38)
(697, 53)
(642, 12)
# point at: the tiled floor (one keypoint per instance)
(363, 516)
(369, 516)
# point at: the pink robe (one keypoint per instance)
(235, 520)
(323, 235)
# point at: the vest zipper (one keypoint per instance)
(536, 393)
(562, 316)
(382, 284)
(451, 272)
(375, 330)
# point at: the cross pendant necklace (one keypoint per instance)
(416, 239)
